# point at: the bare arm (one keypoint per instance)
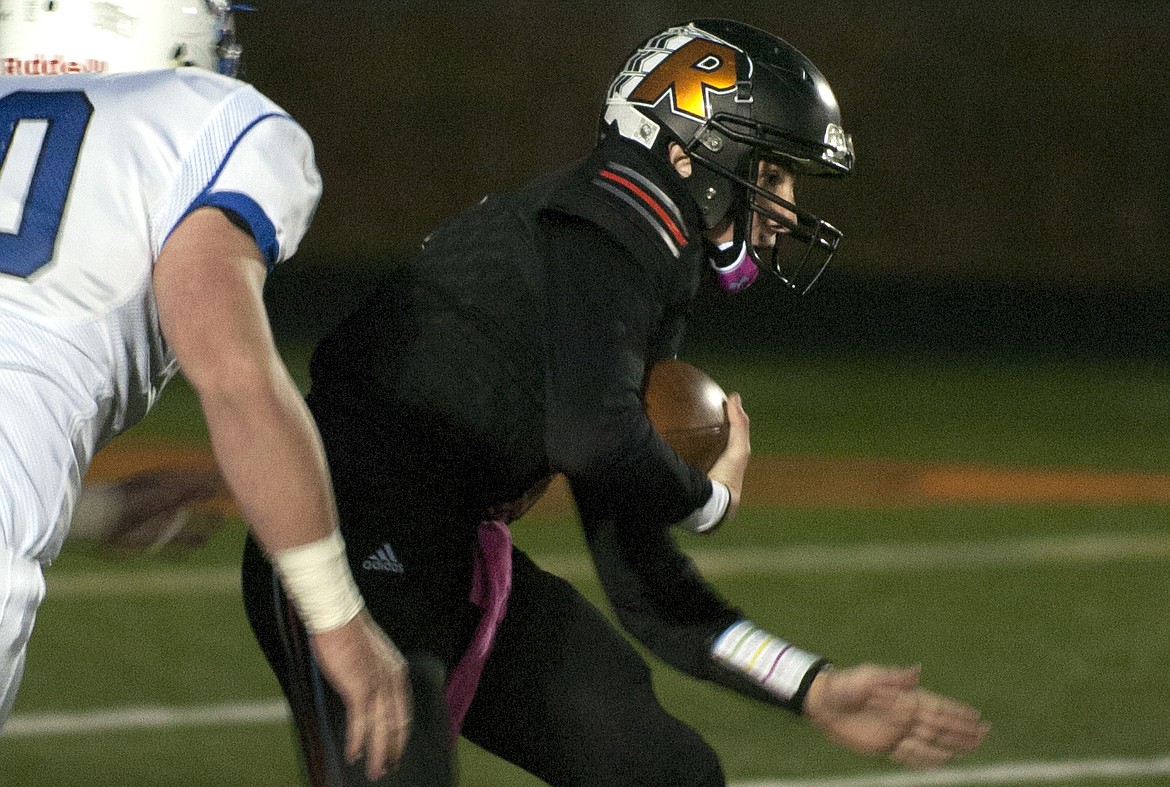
(208, 281)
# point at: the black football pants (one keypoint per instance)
(563, 694)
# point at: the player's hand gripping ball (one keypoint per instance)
(688, 409)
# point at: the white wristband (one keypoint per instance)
(774, 664)
(316, 577)
(706, 517)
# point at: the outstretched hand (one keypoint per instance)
(883, 710)
(371, 677)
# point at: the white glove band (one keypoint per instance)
(316, 577)
(704, 519)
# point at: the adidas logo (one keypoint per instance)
(383, 560)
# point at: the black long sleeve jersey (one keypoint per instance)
(516, 344)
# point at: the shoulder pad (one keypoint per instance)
(634, 211)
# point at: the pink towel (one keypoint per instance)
(491, 582)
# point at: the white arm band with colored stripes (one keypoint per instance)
(705, 519)
(781, 668)
(317, 578)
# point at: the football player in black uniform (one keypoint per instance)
(513, 348)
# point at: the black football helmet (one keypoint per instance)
(734, 96)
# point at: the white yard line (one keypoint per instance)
(1066, 772)
(34, 725)
(882, 558)
(1087, 549)
(275, 711)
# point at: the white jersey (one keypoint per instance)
(95, 173)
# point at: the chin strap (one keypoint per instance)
(733, 265)
(733, 262)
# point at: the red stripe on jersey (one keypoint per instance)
(652, 203)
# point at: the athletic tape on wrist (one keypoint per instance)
(778, 666)
(316, 577)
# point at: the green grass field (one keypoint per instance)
(1066, 655)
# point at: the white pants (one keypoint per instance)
(41, 463)
(22, 588)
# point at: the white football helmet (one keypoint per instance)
(51, 37)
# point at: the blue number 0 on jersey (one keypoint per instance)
(35, 179)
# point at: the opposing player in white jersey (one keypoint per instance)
(141, 204)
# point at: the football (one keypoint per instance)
(688, 409)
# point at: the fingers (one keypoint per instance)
(941, 729)
(920, 754)
(387, 736)
(884, 710)
(370, 676)
(399, 707)
(933, 748)
(160, 510)
(949, 723)
(390, 707)
(169, 529)
(357, 739)
(730, 467)
(203, 524)
(379, 731)
(739, 434)
(898, 678)
(382, 742)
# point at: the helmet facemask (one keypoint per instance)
(728, 154)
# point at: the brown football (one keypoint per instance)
(688, 409)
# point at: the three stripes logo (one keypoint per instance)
(383, 559)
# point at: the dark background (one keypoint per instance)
(1011, 192)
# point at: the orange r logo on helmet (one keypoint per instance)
(688, 74)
